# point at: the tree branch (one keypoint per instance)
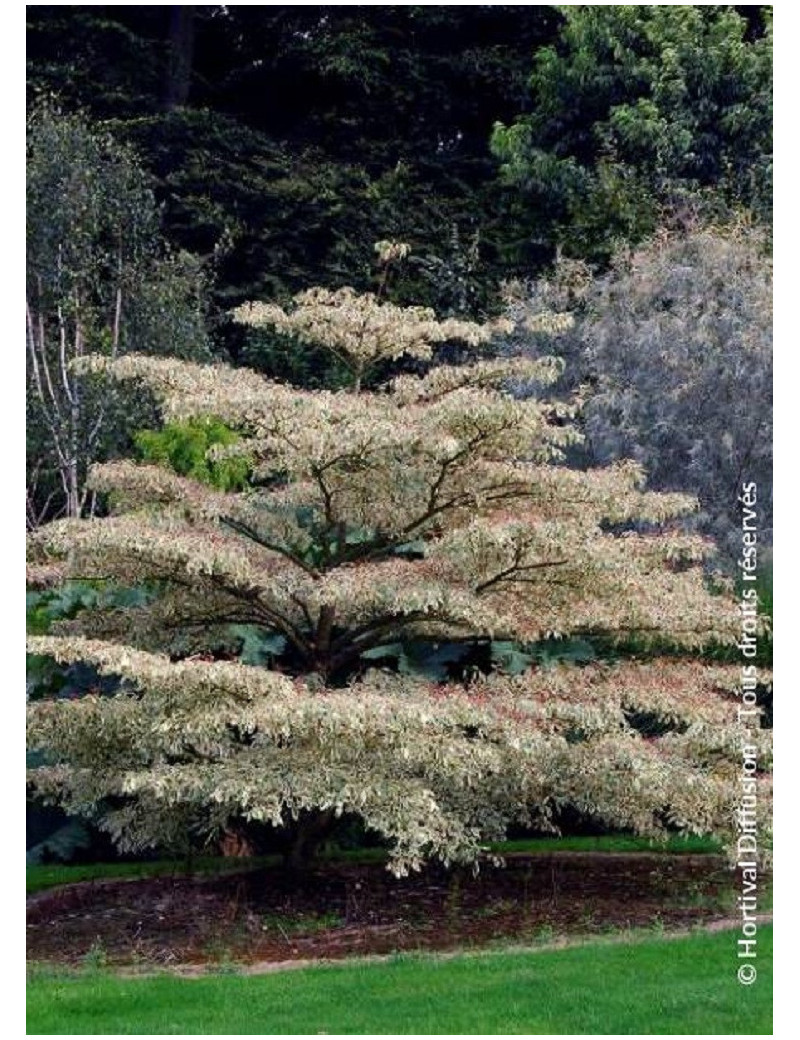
(506, 575)
(248, 532)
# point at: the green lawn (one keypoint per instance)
(646, 986)
(49, 876)
(611, 843)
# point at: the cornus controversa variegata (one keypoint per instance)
(433, 510)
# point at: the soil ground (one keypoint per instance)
(344, 910)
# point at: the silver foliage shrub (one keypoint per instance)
(673, 349)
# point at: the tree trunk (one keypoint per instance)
(180, 54)
(312, 829)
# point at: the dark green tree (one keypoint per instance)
(304, 134)
(640, 107)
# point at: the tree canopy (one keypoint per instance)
(674, 347)
(307, 133)
(431, 512)
(285, 140)
(99, 277)
(639, 107)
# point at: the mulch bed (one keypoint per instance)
(347, 909)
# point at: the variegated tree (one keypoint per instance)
(430, 512)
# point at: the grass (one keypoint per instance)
(303, 924)
(52, 875)
(611, 843)
(42, 877)
(645, 986)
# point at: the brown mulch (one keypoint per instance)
(347, 909)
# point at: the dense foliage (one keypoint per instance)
(637, 107)
(303, 134)
(384, 582)
(673, 349)
(285, 140)
(431, 511)
(98, 279)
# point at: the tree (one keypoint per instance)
(426, 519)
(636, 107)
(178, 79)
(674, 343)
(309, 131)
(98, 278)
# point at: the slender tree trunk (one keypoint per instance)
(180, 56)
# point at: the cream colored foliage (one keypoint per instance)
(419, 762)
(360, 329)
(433, 508)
